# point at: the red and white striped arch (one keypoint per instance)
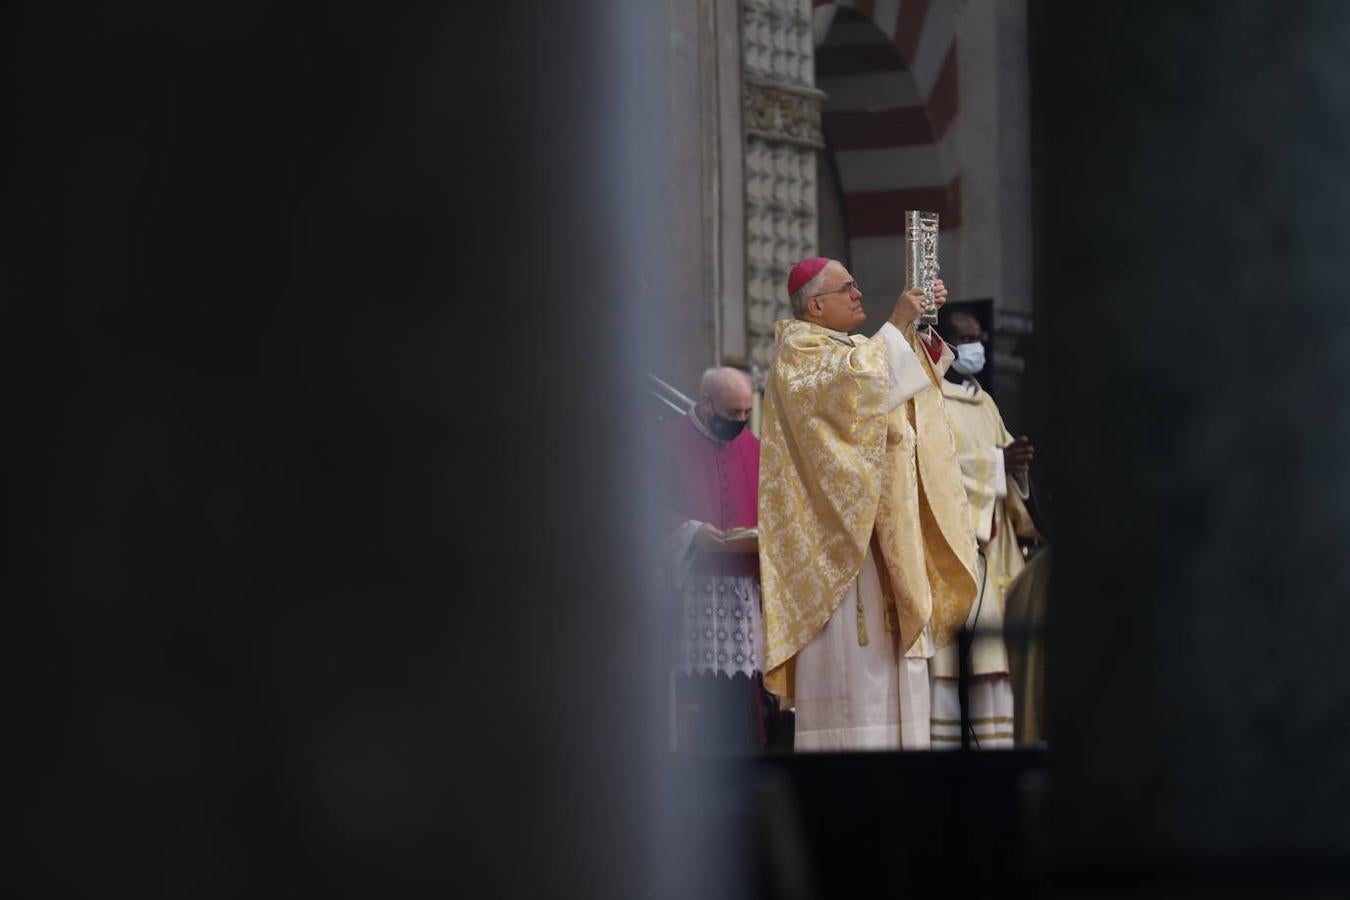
(890, 70)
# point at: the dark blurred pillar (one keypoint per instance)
(325, 323)
(1192, 271)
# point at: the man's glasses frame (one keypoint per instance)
(846, 287)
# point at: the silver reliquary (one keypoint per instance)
(921, 260)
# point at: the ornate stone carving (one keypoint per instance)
(780, 213)
(781, 109)
(776, 41)
(781, 113)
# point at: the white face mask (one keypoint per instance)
(969, 358)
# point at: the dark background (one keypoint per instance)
(323, 578)
(1191, 198)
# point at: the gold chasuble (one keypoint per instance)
(836, 467)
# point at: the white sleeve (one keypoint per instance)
(907, 373)
(1000, 474)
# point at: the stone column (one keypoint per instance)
(782, 137)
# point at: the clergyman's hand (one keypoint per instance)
(907, 308)
(746, 545)
(708, 539)
(1018, 456)
(939, 293)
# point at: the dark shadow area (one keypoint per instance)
(1190, 198)
(320, 352)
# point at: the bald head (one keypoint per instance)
(725, 401)
(728, 391)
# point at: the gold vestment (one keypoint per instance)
(837, 466)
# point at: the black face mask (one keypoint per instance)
(724, 429)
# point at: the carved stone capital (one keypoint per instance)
(783, 113)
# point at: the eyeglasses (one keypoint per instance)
(846, 287)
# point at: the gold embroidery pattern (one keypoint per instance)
(983, 720)
(923, 521)
(862, 620)
(834, 466)
(956, 739)
(821, 456)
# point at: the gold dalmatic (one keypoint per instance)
(835, 466)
